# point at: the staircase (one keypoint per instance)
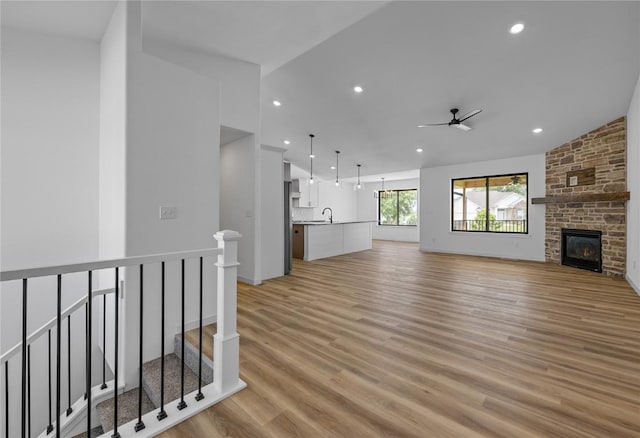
(151, 371)
(188, 375)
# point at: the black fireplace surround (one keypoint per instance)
(582, 249)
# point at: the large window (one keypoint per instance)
(496, 204)
(398, 207)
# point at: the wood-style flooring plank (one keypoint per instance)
(395, 342)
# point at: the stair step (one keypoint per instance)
(95, 432)
(127, 408)
(191, 352)
(172, 369)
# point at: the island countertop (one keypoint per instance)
(331, 239)
(328, 223)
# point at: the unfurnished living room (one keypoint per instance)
(319, 219)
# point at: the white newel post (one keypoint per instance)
(226, 341)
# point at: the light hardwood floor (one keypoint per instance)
(394, 342)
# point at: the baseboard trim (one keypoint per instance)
(248, 281)
(477, 254)
(634, 286)
(190, 325)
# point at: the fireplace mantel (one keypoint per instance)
(583, 197)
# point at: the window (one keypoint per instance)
(496, 204)
(398, 207)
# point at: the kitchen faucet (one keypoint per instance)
(330, 214)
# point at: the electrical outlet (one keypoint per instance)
(168, 213)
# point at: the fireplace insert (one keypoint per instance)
(582, 249)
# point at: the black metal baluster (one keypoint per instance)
(140, 424)
(162, 414)
(6, 399)
(115, 365)
(86, 325)
(58, 344)
(29, 390)
(200, 395)
(88, 353)
(24, 358)
(104, 341)
(182, 403)
(50, 426)
(69, 409)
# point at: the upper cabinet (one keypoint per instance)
(308, 193)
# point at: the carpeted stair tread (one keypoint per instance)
(127, 408)
(191, 357)
(95, 432)
(172, 369)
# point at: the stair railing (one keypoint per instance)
(226, 379)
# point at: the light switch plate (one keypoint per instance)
(168, 213)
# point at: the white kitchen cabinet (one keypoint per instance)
(308, 194)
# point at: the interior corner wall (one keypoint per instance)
(49, 187)
(240, 82)
(435, 211)
(113, 111)
(633, 186)
(368, 210)
(237, 201)
(272, 214)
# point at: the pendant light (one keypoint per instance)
(337, 170)
(382, 193)
(358, 186)
(311, 157)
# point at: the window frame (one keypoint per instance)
(397, 194)
(487, 219)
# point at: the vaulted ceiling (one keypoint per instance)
(572, 69)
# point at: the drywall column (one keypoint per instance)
(272, 211)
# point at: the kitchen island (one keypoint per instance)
(314, 240)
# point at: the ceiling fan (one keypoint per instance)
(455, 121)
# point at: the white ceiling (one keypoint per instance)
(572, 69)
(76, 19)
(269, 33)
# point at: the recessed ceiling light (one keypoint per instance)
(419, 150)
(516, 28)
(286, 142)
(536, 130)
(276, 103)
(358, 89)
(333, 167)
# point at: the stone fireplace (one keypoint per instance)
(586, 190)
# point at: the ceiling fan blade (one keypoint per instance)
(462, 127)
(470, 114)
(433, 124)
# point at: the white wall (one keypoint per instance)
(113, 110)
(342, 200)
(272, 218)
(237, 200)
(240, 82)
(633, 185)
(368, 210)
(240, 109)
(49, 184)
(435, 211)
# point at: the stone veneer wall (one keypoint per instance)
(604, 149)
